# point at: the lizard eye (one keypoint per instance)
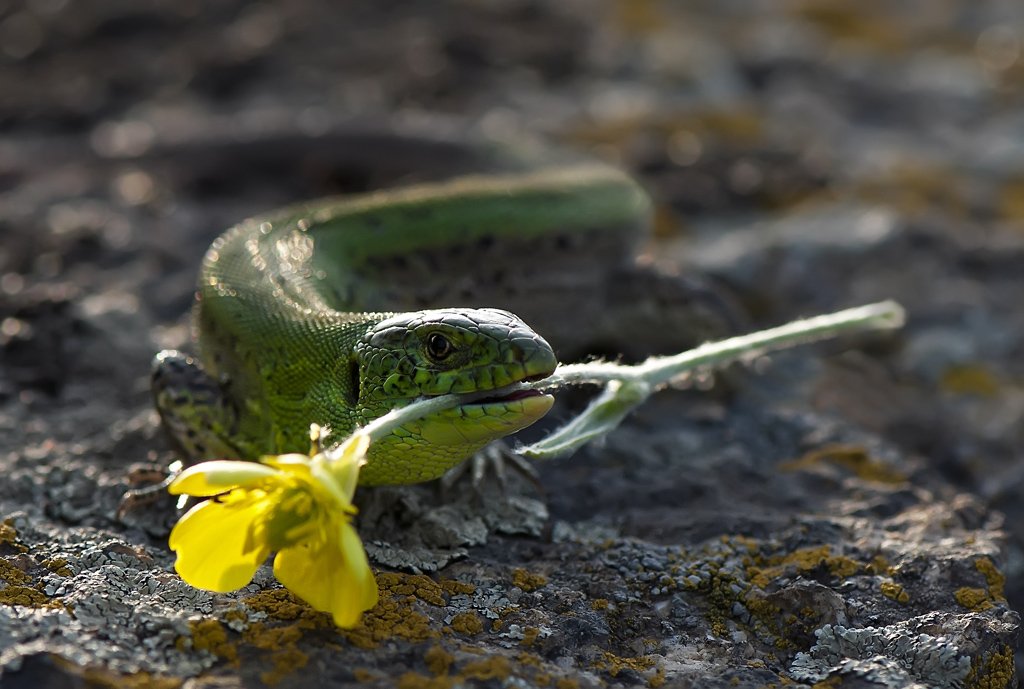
(438, 346)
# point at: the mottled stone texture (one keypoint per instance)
(832, 516)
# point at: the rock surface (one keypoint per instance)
(835, 516)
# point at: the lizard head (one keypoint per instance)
(461, 351)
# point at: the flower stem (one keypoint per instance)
(659, 370)
(629, 386)
(626, 387)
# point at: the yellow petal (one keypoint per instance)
(218, 476)
(211, 543)
(346, 461)
(332, 576)
(289, 461)
(333, 474)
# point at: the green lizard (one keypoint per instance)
(324, 313)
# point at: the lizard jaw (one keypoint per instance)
(511, 396)
(511, 407)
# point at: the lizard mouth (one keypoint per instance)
(486, 415)
(512, 407)
(508, 411)
(513, 392)
(513, 396)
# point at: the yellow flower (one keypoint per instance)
(295, 505)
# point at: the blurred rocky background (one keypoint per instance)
(849, 514)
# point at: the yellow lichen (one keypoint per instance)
(286, 661)
(890, 589)
(528, 581)
(763, 612)
(640, 17)
(272, 638)
(979, 599)
(719, 592)
(454, 587)
(996, 671)
(495, 667)
(101, 678)
(747, 543)
(58, 565)
(281, 641)
(973, 598)
(364, 676)
(24, 596)
(388, 620)
(281, 604)
(467, 623)
(414, 680)
(527, 659)
(852, 24)
(851, 457)
(438, 660)
(970, 379)
(764, 570)
(732, 126)
(914, 190)
(12, 574)
(995, 579)
(833, 682)
(419, 585)
(567, 683)
(879, 565)
(8, 534)
(1011, 201)
(530, 635)
(613, 664)
(599, 604)
(236, 616)
(136, 680)
(394, 616)
(210, 635)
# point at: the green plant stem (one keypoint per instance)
(626, 386)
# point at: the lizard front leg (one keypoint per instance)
(198, 416)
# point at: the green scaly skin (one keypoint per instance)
(296, 320)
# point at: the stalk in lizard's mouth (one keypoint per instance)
(509, 397)
(506, 393)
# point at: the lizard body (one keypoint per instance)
(321, 313)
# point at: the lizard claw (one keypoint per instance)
(491, 466)
(135, 499)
